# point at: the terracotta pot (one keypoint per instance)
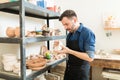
(17, 31)
(51, 8)
(10, 32)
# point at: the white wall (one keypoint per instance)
(90, 13)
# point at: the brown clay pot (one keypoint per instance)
(10, 32)
(17, 31)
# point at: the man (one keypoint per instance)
(80, 47)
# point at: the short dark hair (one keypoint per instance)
(68, 14)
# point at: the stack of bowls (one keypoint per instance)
(8, 61)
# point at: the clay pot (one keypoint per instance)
(57, 45)
(17, 31)
(10, 32)
(51, 8)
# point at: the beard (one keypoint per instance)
(72, 28)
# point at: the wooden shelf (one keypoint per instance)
(111, 28)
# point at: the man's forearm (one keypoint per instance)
(81, 55)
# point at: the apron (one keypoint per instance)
(76, 68)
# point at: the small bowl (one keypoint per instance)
(45, 33)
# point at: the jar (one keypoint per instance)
(17, 31)
(10, 32)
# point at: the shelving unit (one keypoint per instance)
(23, 8)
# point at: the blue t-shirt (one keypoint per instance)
(86, 40)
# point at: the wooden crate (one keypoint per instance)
(58, 69)
(50, 76)
(59, 74)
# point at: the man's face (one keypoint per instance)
(68, 24)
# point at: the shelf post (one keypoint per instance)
(22, 36)
(48, 42)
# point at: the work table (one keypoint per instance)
(111, 61)
(100, 62)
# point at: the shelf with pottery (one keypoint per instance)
(23, 9)
(112, 28)
(30, 10)
(12, 76)
(110, 23)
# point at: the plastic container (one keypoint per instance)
(41, 3)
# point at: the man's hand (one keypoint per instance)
(64, 50)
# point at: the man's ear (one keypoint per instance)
(75, 19)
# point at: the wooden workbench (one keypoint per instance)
(111, 63)
(106, 63)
